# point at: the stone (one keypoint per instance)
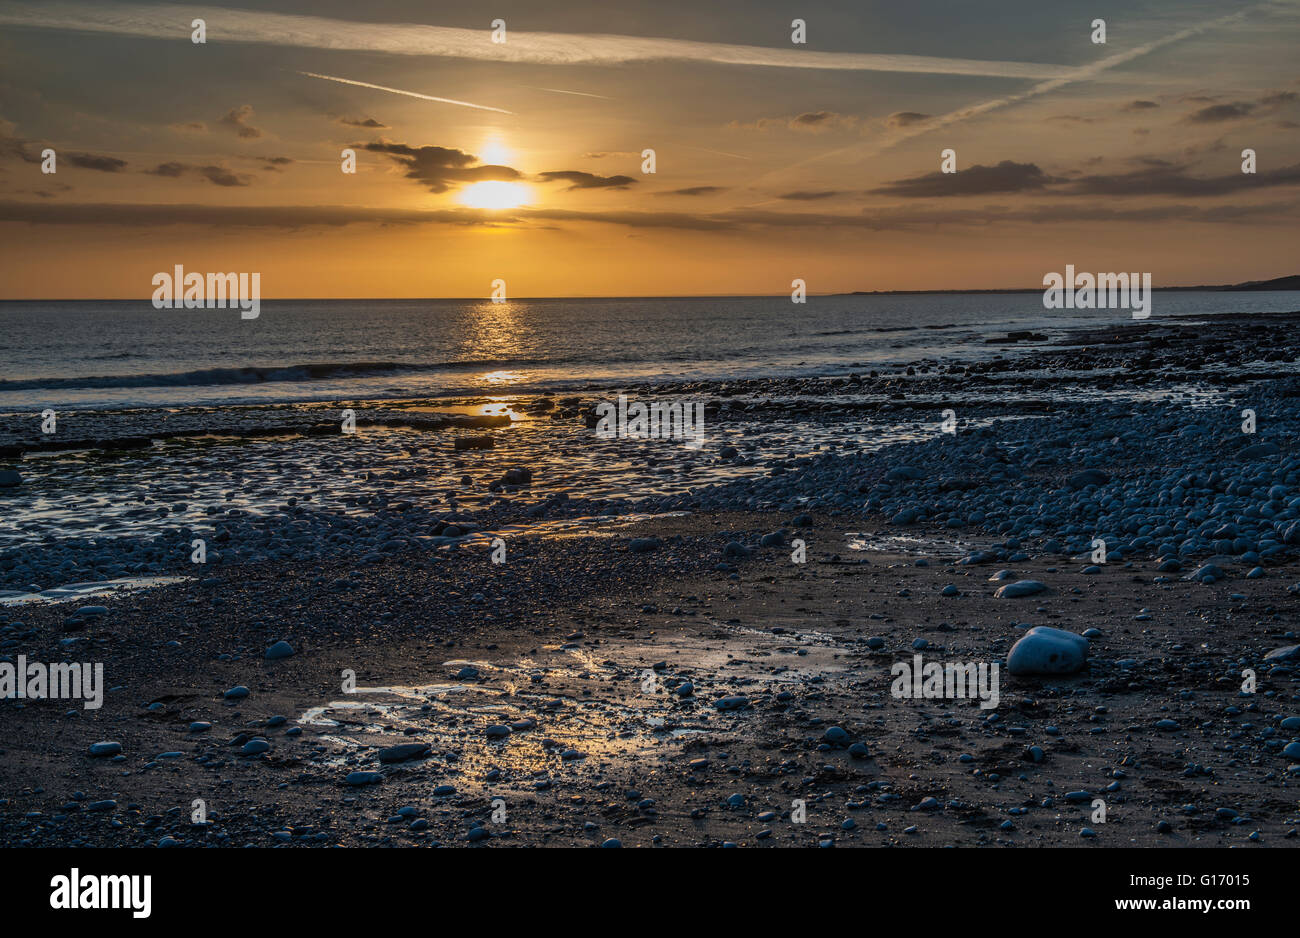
(1044, 650)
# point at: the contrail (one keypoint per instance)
(172, 22)
(1081, 73)
(581, 93)
(411, 94)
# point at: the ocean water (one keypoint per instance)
(113, 354)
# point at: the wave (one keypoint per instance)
(209, 377)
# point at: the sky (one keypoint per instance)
(515, 152)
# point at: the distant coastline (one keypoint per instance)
(1276, 284)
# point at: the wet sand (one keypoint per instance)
(564, 635)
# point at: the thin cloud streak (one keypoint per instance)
(411, 94)
(316, 32)
(1082, 73)
(584, 94)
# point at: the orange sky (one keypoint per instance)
(225, 156)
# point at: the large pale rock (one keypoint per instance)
(1044, 650)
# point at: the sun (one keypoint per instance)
(495, 195)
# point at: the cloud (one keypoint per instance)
(1139, 106)
(316, 32)
(906, 119)
(275, 163)
(1278, 97)
(581, 180)
(193, 127)
(237, 120)
(363, 122)
(695, 190)
(809, 196)
(293, 217)
(18, 148)
(813, 121)
(217, 175)
(168, 170)
(1007, 176)
(1217, 113)
(103, 164)
(1170, 179)
(439, 168)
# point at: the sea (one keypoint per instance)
(94, 354)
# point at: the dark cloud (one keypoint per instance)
(1278, 97)
(906, 118)
(805, 196)
(217, 175)
(274, 163)
(977, 180)
(695, 190)
(103, 164)
(363, 122)
(220, 176)
(1216, 113)
(580, 180)
(237, 120)
(439, 168)
(1170, 179)
(170, 170)
(1139, 106)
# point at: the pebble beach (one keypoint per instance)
(644, 661)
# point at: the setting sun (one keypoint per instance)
(495, 195)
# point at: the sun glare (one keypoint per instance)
(495, 195)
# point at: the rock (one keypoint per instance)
(403, 751)
(279, 650)
(859, 751)
(105, 749)
(1285, 653)
(517, 476)
(613, 842)
(363, 778)
(735, 549)
(736, 702)
(255, 747)
(1081, 480)
(1256, 450)
(238, 692)
(684, 689)
(836, 736)
(484, 441)
(91, 612)
(1044, 650)
(1292, 750)
(903, 474)
(1019, 588)
(497, 731)
(644, 545)
(1207, 574)
(10, 478)
(1167, 725)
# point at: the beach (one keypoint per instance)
(491, 615)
